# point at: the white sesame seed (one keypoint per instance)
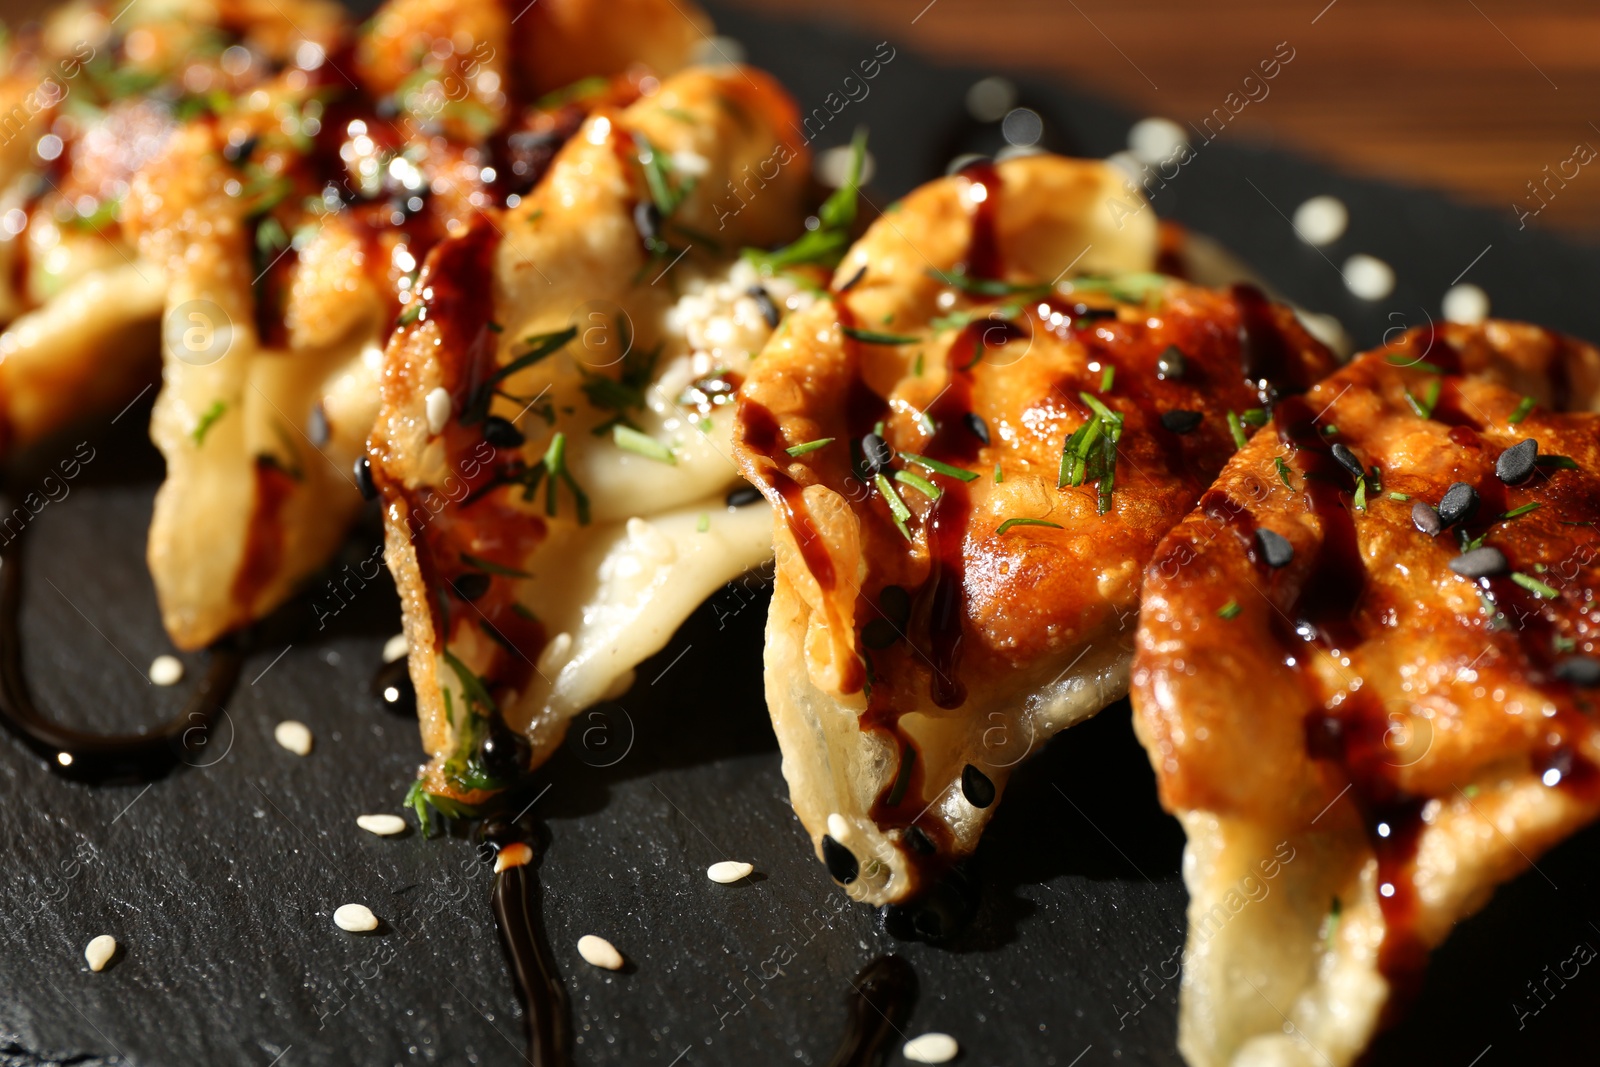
(357, 918)
(294, 736)
(931, 1048)
(600, 952)
(1368, 277)
(438, 409)
(1466, 303)
(515, 854)
(100, 951)
(728, 871)
(395, 648)
(838, 829)
(382, 825)
(1155, 140)
(1321, 220)
(166, 670)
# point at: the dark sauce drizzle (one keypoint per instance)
(516, 901)
(882, 995)
(101, 757)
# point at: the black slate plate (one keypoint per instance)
(220, 879)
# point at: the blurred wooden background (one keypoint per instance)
(1472, 96)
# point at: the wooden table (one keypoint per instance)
(1475, 97)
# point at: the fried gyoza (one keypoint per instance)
(553, 450)
(1365, 679)
(973, 459)
(289, 224)
(86, 100)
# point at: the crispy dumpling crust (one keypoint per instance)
(908, 670)
(1410, 735)
(575, 590)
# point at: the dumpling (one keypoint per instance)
(87, 99)
(1365, 678)
(553, 447)
(289, 224)
(974, 443)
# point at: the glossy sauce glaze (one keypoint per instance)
(880, 1000)
(516, 901)
(1338, 608)
(100, 757)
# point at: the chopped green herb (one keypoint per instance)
(989, 287)
(704, 522)
(1133, 287)
(1563, 463)
(1283, 472)
(827, 244)
(1523, 510)
(555, 468)
(809, 446)
(939, 468)
(208, 418)
(919, 483)
(1230, 610)
(1090, 453)
(642, 444)
(271, 237)
(538, 347)
(1561, 643)
(1360, 500)
(1108, 379)
(1523, 410)
(1330, 429)
(916, 367)
(1009, 523)
(1236, 428)
(873, 337)
(411, 313)
(897, 507)
(1534, 585)
(1400, 497)
(925, 424)
(999, 476)
(1398, 359)
(1430, 399)
(489, 566)
(1256, 417)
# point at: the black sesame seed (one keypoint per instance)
(471, 586)
(501, 432)
(1482, 562)
(743, 496)
(854, 279)
(1275, 549)
(1171, 364)
(979, 428)
(879, 633)
(763, 299)
(1424, 518)
(896, 604)
(1581, 671)
(1347, 459)
(1516, 462)
(841, 862)
(393, 689)
(237, 153)
(1459, 504)
(919, 841)
(363, 469)
(647, 220)
(1181, 421)
(503, 752)
(876, 453)
(977, 786)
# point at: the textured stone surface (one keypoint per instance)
(220, 879)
